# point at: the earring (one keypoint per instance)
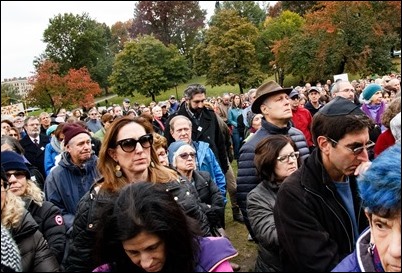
(152, 164)
(117, 172)
(371, 249)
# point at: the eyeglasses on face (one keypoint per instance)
(17, 174)
(285, 158)
(129, 144)
(358, 150)
(186, 155)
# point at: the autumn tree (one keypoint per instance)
(76, 41)
(280, 28)
(50, 89)
(148, 67)
(120, 34)
(229, 52)
(341, 37)
(171, 22)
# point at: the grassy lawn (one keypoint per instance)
(237, 234)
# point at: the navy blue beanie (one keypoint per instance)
(13, 161)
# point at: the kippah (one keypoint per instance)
(339, 106)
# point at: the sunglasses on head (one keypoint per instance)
(186, 155)
(129, 144)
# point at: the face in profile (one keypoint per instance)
(147, 251)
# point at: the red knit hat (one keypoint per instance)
(71, 130)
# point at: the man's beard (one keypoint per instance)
(196, 111)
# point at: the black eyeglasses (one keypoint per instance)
(358, 150)
(186, 155)
(129, 144)
(17, 174)
(285, 158)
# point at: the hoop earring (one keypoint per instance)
(117, 171)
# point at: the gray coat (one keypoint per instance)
(247, 176)
(260, 210)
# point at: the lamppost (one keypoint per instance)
(274, 67)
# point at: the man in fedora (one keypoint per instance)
(273, 102)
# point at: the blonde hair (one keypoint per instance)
(34, 192)
(13, 210)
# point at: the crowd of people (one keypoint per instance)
(144, 188)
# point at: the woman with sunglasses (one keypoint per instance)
(46, 214)
(182, 157)
(126, 156)
(35, 253)
(276, 157)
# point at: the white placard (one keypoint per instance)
(343, 77)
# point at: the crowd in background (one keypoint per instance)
(68, 180)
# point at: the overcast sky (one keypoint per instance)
(23, 24)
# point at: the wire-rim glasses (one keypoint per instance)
(285, 158)
(358, 150)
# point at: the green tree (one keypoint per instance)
(247, 9)
(171, 22)
(148, 67)
(299, 7)
(77, 41)
(228, 52)
(286, 25)
(50, 89)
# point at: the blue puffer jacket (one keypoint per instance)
(67, 183)
(247, 176)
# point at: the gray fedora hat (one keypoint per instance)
(264, 91)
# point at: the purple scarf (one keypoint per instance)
(374, 111)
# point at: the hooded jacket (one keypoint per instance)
(67, 183)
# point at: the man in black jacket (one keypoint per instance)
(318, 214)
(205, 124)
